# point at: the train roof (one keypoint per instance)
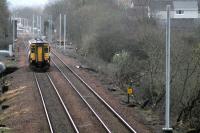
(37, 41)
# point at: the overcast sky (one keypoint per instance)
(29, 3)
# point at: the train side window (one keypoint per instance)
(46, 50)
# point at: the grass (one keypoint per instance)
(5, 130)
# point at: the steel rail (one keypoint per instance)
(44, 105)
(99, 97)
(63, 104)
(72, 85)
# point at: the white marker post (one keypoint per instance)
(167, 128)
(10, 50)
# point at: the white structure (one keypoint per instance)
(181, 9)
(185, 9)
(22, 25)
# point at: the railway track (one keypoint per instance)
(57, 114)
(108, 117)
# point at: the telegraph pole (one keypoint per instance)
(13, 33)
(40, 25)
(60, 29)
(64, 31)
(33, 25)
(26, 25)
(167, 128)
(51, 28)
(49, 31)
(37, 26)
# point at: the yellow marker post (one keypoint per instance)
(129, 92)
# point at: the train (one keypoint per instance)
(39, 54)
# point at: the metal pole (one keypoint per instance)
(26, 25)
(64, 31)
(33, 25)
(20, 21)
(37, 26)
(60, 29)
(167, 128)
(40, 25)
(13, 34)
(23, 23)
(51, 28)
(68, 31)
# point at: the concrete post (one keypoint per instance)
(167, 128)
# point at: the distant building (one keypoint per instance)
(180, 9)
(185, 9)
(184, 13)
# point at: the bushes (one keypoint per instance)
(123, 64)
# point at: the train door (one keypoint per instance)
(39, 54)
(46, 52)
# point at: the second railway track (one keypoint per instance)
(57, 114)
(109, 118)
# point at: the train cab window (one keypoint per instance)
(46, 50)
(32, 50)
